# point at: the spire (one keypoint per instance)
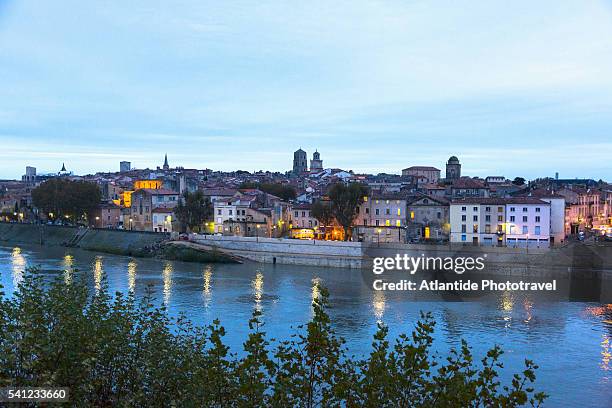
(166, 162)
(63, 167)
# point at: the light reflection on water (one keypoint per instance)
(207, 290)
(167, 276)
(257, 285)
(568, 334)
(18, 263)
(131, 274)
(378, 304)
(98, 272)
(68, 261)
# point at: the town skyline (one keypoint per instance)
(375, 88)
(65, 166)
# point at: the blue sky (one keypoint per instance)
(516, 88)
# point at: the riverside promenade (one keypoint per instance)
(560, 261)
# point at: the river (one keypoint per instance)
(568, 332)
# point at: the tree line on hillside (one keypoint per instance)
(119, 351)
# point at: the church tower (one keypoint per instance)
(166, 167)
(453, 168)
(316, 164)
(300, 162)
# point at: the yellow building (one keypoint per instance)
(153, 184)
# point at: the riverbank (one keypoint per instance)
(117, 242)
(575, 258)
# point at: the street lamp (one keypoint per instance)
(378, 230)
(257, 233)
(131, 224)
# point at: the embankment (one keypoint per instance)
(117, 242)
(133, 243)
(504, 260)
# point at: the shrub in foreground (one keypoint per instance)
(116, 351)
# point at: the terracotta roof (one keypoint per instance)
(424, 168)
(494, 200)
(161, 191)
(165, 210)
(467, 182)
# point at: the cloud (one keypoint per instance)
(413, 80)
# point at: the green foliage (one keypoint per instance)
(322, 211)
(518, 181)
(282, 191)
(116, 351)
(64, 197)
(193, 210)
(345, 200)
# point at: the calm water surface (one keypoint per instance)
(568, 333)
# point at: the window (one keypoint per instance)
(537, 230)
(537, 218)
(512, 218)
(488, 209)
(537, 209)
(387, 223)
(398, 223)
(500, 209)
(524, 218)
(488, 228)
(367, 210)
(525, 229)
(439, 215)
(475, 218)
(500, 218)
(377, 223)
(230, 212)
(464, 218)
(463, 238)
(303, 213)
(475, 228)
(475, 208)
(399, 212)
(524, 209)
(463, 228)
(219, 212)
(388, 211)
(512, 209)
(297, 214)
(487, 218)
(377, 211)
(463, 208)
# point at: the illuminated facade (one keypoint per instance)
(153, 184)
(517, 222)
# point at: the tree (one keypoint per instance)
(345, 201)
(193, 210)
(66, 198)
(283, 191)
(115, 350)
(322, 211)
(518, 181)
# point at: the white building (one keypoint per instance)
(517, 221)
(528, 222)
(557, 213)
(231, 209)
(162, 219)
